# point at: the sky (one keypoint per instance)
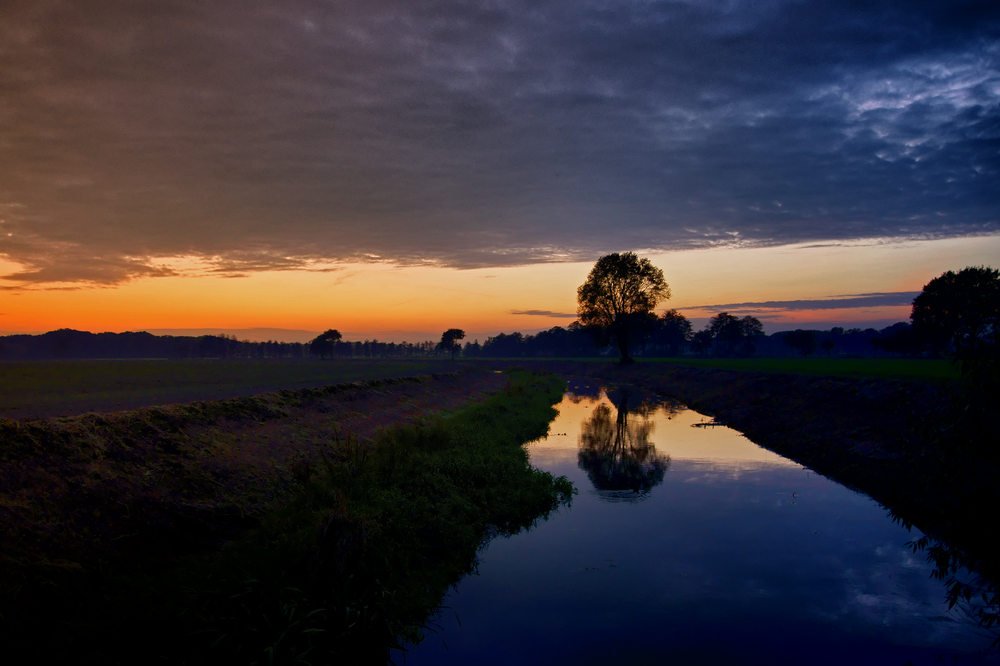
(395, 168)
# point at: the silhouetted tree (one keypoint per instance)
(620, 289)
(450, 341)
(644, 330)
(898, 339)
(701, 342)
(675, 332)
(801, 341)
(504, 345)
(725, 330)
(324, 343)
(734, 335)
(581, 340)
(827, 345)
(961, 309)
(750, 328)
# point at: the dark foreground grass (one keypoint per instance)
(351, 567)
(38, 389)
(933, 370)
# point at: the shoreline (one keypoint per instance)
(876, 436)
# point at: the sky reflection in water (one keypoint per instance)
(716, 551)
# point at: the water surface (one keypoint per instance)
(688, 543)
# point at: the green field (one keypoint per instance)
(881, 368)
(35, 389)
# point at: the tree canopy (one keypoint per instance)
(450, 341)
(733, 335)
(675, 331)
(803, 342)
(961, 309)
(325, 342)
(620, 290)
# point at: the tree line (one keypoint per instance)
(71, 344)
(956, 314)
(667, 335)
(672, 335)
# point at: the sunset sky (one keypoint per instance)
(395, 168)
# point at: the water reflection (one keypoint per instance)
(974, 596)
(737, 555)
(616, 453)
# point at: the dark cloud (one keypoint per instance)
(484, 133)
(874, 300)
(544, 313)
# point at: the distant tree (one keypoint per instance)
(726, 332)
(701, 342)
(827, 345)
(504, 345)
(730, 334)
(801, 341)
(644, 330)
(472, 349)
(961, 309)
(898, 339)
(581, 340)
(450, 341)
(734, 335)
(620, 289)
(675, 331)
(750, 328)
(324, 343)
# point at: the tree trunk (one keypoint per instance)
(621, 334)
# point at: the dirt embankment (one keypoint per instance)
(180, 478)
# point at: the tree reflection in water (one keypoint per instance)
(616, 453)
(971, 589)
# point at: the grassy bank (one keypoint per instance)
(353, 562)
(37, 389)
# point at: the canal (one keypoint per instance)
(690, 544)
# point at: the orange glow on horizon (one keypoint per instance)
(384, 298)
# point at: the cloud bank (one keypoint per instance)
(544, 313)
(287, 135)
(878, 300)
